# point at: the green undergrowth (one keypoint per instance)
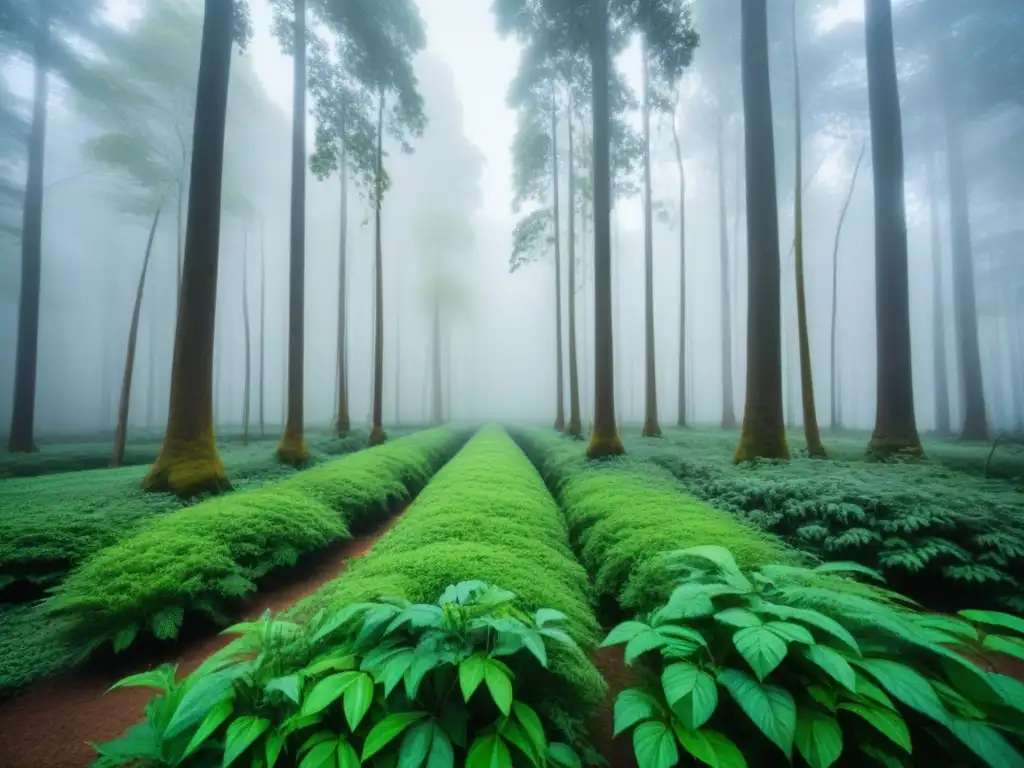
(947, 538)
(52, 523)
(207, 557)
(485, 516)
(626, 514)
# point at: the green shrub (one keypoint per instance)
(207, 556)
(829, 666)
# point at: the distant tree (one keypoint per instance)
(942, 417)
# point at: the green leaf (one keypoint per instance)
(833, 664)
(824, 697)
(471, 674)
(273, 745)
(123, 638)
(793, 633)
(849, 567)
(499, 685)
(673, 632)
(646, 641)
(340, 662)
(632, 706)
(316, 739)
(881, 756)
(986, 742)
(769, 707)
(623, 633)
(688, 601)
(532, 727)
(416, 745)
(327, 691)
(425, 659)
(819, 739)
(690, 692)
(995, 619)
(545, 616)
(738, 617)
(655, 745)
(387, 730)
(441, 754)
(358, 698)
(535, 645)
(347, 755)
(203, 696)
(513, 733)
(161, 678)
(288, 685)
(711, 748)
(869, 690)
(240, 736)
(883, 720)
(808, 616)
(489, 751)
(721, 557)
(907, 685)
(1011, 646)
(323, 754)
(210, 723)
(563, 756)
(763, 649)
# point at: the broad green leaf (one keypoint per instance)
(161, 678)
(883, 720)
(907, 685)
(1011, 646)
(563, 756)
(691, 692)
(513, 733)
(273, 746)
(995, 619)
(347, 755)
(947, 624)
(711, 747)
(394, 670)
(122, 639)
(957, 704)
(688, 601)
(358, 698)
(646, 641)
(499, 685)
(824, 697)
(623, 633)
(288, 685)
(738, 617)
(327, 691)
(241, 734)
(387, 730)
(471, 674)
(316, 739)
(763, 649)
(986, 742)
(769, 707)
(632, 706)
(441, 753)
(339, 662)
(417, 616)
(323, 755)
(535, 645)
(424, 660)
(545, 616)
(849, 567)
(808, 616)
(819, 739)
(721, 557)
(455, 721)
(793, 633)
(559, 636)
(881, 756)
(654, 745)
(489, 751)
(674, 632)
(415, 745)
(210, 723)
(201, 698)
(532, 727)
(867, 689)
(831, 663)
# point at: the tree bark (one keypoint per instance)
(188, 463)
(763, 434)
(263, 327)
(377, 433)
(574, 427)
(942, 421)
(121, 431)
(651, 427)
(292, 448)
(247, 389)
(728, 408)
(343, 424)
(559, 375)
(604, 440)
(681, 419)
(811, 434)
(151, 378)
(895, 426)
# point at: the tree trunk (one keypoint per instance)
(177, 225)
(247, 389)
(188, 463)
(651, 427)
(377, 433)
(121, 432)
(682, 417)
(604, 440)
(895, 426)
(811, 434)
(151, 378)
(835, 419)
(436, 414)
(292, 448)
(263, 327)
(574, 428)
(559, 376)
(942, 422)
(343, 424)
(763, 434)
(728, 408)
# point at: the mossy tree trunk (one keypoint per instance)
(574, 427)
(604, 440)
(728, 407)
(247, 389)
(651, 427)
(343, 423)
(188, 463)
(895, 425)
(942, 420)
(763, 434)
(377, 433)
(555, 219)
(292, 448)
(681, 419)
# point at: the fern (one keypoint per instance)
(851, 538)
(164, 624)
(976, 573)
(812, 532)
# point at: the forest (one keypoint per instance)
(511, 384)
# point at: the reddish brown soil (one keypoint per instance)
(51, 723)
(617, 751)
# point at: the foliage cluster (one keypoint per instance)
(935, 533)
(203, 558)
(815, 661)
(625, 516)
(54, 522)
(380, 683)
(468, 525)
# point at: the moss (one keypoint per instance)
(292, 449)
(901, 442)
(651, 428)
(377, 435)
(602, 445)
(761, 438)
(188, 468)
(574, 428)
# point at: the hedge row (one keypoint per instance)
(202, 558)
(486, 516)
(626, 514)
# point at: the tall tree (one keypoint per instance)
(763, 433)
(725, 309)
(895, 425)
(188, 463)
(942, 425)
(247, 389)
(681, 401)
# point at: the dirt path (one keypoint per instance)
(51, 723)
(617, 751)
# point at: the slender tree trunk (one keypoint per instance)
(398, 342)
(559, 375)
(895, 426)
(151, 378)
(942, 424)
(121, 431)
(604, 440)
(263, 327)
(574, 428)
(763, 433)
(651, 427)
(682, 417)
(811, 433)
(292, 448)
(247, 389)
(377, 434)
(177, 226)
(436, 412)
(728, 410)
(188, 463)
(343, 424)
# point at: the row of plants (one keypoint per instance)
(944, 537)
(415, 655)
(204, 558)
(52, 523)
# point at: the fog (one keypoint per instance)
(498, 327)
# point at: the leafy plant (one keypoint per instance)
(745, 665)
